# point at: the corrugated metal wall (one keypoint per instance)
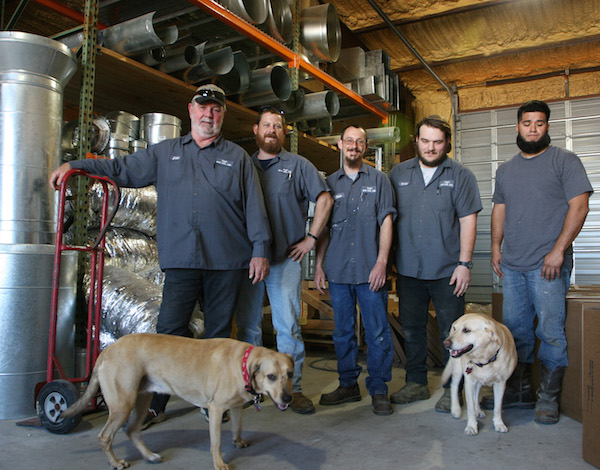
(486, 139)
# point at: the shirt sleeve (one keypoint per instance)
(498, 197)
(137, 170)
(468, 200)
(257, 222)
(313, 182)
(575, 179)
(387, 200)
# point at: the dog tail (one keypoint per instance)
(447, 372)
(82, 403)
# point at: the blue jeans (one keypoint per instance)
(527, 295)
(373, 309)
(215, 291)
(415, 295)
(284, 288)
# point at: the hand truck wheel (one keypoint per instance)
(55, 397)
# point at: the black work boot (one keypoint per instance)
(546, 408)
(341, 395)
(518, 393)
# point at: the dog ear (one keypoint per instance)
(491, 332)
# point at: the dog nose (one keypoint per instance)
(287, 398)
(447, 344)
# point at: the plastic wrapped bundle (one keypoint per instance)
(137, 208)
(128, 248)
(130, 304)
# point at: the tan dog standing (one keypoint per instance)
(482, 351)
(218, 374)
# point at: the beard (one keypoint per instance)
(535, 147)
(271, 147)
(207, 132)
(433, 163)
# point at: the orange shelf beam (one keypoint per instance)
(294, 60)
(66, 11)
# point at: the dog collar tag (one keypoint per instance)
(257, 402)
(468, 370)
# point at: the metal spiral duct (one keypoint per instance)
(138, 35)
(267, 86)
(253, 11)
(238, 79)
(215, 63)
(317, 105)
(320, 32)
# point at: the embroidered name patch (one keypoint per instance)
(338, 196)
(174, 158)
(403, 183)
(220, 161)
(446, 184)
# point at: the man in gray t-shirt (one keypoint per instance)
(540, 204)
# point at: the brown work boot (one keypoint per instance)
(411, 392)
(341, 395)
(548, 395)
(301, 404)
(381, 405)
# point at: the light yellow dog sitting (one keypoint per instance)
(482, 351)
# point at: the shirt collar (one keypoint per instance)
(218, 142)
(414, 163)
(364, 168)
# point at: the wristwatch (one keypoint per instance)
(468, 264)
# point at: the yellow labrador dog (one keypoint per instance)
(484, 352)
(218, 374)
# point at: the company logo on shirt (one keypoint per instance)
(369, 189)
(338, 196)
(223, 162)
(174, 158)
(285, 171)
(446, 184)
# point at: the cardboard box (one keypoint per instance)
(591, 386)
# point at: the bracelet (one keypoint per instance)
(312, 236)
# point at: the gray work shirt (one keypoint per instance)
(210, 209)
(536, 192)
(359, 209)
(289, 182)
(428, 227)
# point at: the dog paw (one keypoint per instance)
(154, 458)
(240, 444)
(480, 414)
(500, 427)
(120, 464)
(457, 414)
(471, 430)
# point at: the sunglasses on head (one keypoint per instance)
(210, 94)
(271, 109)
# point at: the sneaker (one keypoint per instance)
(444, 404)
(301, 404)
(381, 405)
(411, 392)
(204, 412)
(341, 395)
(152, 417)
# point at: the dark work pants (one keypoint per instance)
(414, 295)
(216, 292)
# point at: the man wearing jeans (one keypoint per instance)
(289, 182)
(358, 247)
(438, 201)
(540, 204)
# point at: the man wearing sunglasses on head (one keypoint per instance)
(212, 226)
(289, 182)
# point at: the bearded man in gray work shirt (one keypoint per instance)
(437, 200)
(357, 247)
(289, 182)
(212, 226)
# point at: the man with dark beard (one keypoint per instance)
(540, 204)
(289, 182)
(437, 200)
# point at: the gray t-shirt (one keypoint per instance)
(289, 182)
(536, 192)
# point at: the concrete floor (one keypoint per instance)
(348, 436)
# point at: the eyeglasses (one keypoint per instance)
(359, 142)
(271, 109)
(216, 95)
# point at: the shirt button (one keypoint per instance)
(195, 194)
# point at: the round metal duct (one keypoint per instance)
(267, 86)
(181, 58)
(156, 127)
(317, 105)
(137, 35)
(279, 21)
(212, 64)
(152, 57)
(253, 11)
(238, 79)
(320, 32)
(33, 72)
